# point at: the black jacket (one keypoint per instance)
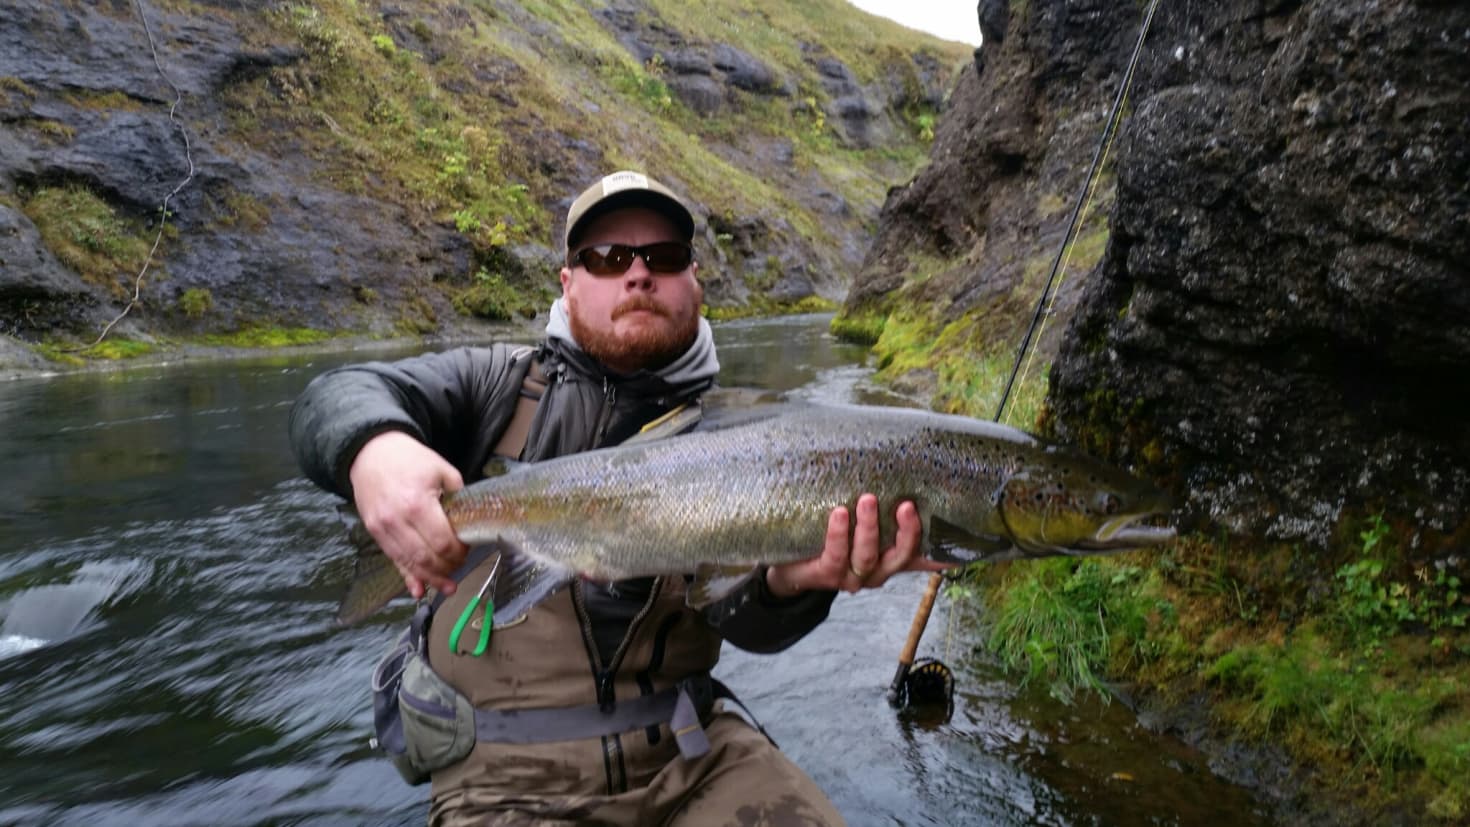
(459, 402)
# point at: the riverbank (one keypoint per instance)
(1330, 681)
(21, 361)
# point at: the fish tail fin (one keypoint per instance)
(375, 580)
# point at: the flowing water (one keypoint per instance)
(167, 655)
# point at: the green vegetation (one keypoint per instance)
(196, 301)
(266, 337)
(764, 306)
(492, 297)
(972, 367)
(87, 234)
(1365, 680)
(477, 142)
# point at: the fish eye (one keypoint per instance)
(1111, 505)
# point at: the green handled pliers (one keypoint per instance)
(469, 611)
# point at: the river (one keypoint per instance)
(167, 653)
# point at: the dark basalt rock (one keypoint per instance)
(1278, 326)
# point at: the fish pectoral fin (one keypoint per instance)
(523, 582)
(950, 543)
(713, 582)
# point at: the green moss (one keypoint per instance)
(266, 337)
(763, 306)
(196, 302)
(55, 131)
(115, 349)
(109, 101)
(87, 234)
(860, 328)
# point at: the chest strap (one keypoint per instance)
(513, 438)
(682, 707)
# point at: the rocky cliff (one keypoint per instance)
(1275, 316)
(402, 167)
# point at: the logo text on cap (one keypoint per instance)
(622, 181)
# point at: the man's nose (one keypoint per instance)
(638, 277)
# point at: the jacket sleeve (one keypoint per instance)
(442, 399)
(757, 621)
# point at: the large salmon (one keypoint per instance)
(712, 502)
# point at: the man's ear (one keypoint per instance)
(566, 278)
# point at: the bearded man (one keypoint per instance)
(574, 710)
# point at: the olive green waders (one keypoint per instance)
(638, 777)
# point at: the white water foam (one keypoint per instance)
(11, 645)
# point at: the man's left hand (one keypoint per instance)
(850, 562)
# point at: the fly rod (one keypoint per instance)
(921, 686)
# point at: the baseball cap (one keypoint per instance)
(625, 188)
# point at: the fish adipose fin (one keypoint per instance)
(714, 582)
(949, 543)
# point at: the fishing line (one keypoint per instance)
(1047, 300)
(163, 207)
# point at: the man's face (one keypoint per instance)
(637, 319)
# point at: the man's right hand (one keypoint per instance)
(396, 484)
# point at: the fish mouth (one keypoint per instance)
(1121, 534)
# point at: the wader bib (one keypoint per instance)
(552, 735)
(633, 777)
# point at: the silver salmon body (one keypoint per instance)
(728, 499)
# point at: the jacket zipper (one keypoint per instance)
(604, 418)
(604, 677)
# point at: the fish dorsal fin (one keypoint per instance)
(949, 543)
(713, 582)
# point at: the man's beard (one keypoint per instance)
(649, 346)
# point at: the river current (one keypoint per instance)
(168, 657)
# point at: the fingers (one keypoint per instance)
(871, 568)
(397, 483)
(865, 539)
(852, 555)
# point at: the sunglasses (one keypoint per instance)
(615, 259)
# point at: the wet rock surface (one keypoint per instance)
(1283, 304)
(1277, 326)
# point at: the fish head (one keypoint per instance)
(1066, 503)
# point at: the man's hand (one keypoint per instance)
(396, 483)
(858, 564)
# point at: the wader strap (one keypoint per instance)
(681, 707)
(513, 439)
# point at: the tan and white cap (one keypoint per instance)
(625, 189)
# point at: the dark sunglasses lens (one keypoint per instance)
(667, 256)
(607, 259)
(615, 259)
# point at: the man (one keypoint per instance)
(625, 345)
